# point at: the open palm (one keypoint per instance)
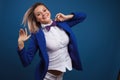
(23, 35)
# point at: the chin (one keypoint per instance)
(45, 21)
(48, 20)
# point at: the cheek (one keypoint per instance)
(49, 13)
(38, 18)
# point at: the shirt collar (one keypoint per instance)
(44, 25)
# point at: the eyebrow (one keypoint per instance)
(43, 9)
(38, 12)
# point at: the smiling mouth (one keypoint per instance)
(45, 16)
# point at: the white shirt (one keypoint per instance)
(57, 45)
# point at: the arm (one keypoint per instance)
(77, 18)
(26, 55)
(71, 19)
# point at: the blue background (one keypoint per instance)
(98, 38)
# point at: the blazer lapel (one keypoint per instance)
(42, 44)
(64, 26)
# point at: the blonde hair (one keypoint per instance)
(30, 19)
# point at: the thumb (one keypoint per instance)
(29, 36)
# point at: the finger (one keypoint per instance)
(28, 37)
(26, 31)
(57, 15)
(21, 31)
(56, 19)
(60, 18)
(60, 15)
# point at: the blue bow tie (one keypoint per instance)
(52, 25)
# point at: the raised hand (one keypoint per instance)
(62, 17)
(23, 36)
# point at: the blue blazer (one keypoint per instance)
(38, 42)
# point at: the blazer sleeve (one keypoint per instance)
(77, 18)
(26, 54)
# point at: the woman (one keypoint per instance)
(56, 43)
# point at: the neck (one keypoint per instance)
(48, 22)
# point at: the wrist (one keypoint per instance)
(20, 45)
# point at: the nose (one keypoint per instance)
(43, 13)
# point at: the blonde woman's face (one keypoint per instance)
(42, 14)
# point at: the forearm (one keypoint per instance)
(70, 16)
(24, 56)
(78, 17)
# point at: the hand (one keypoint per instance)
(62, 17)
(23, 35)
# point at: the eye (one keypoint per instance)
(44, 10)
(38, 14)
